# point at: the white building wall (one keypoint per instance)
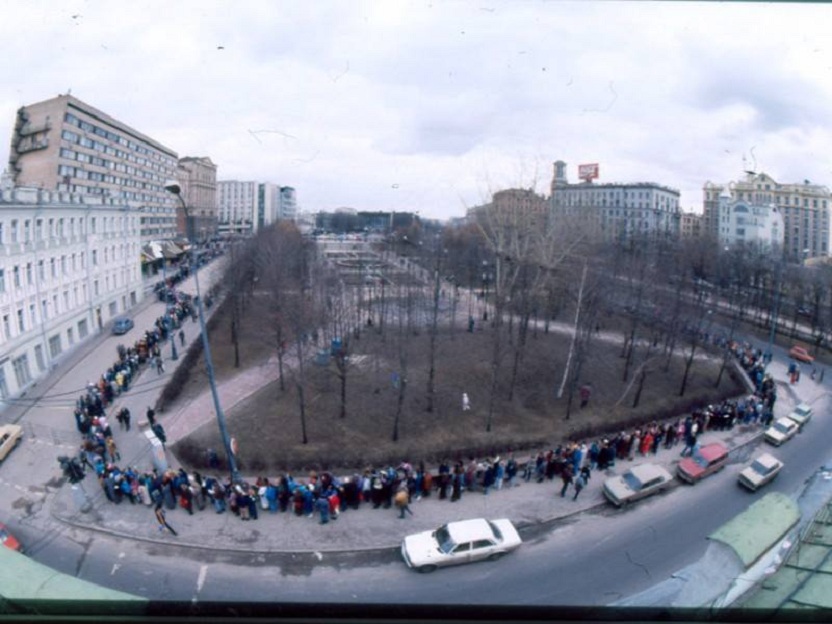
(744, 223)
(68, 265)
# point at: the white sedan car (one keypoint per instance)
(783, 430)
(637, 483)
(762, 470)
(801, 414)
(460, 542)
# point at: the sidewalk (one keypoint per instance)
(365, 529)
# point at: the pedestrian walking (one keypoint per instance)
(163, 523)
(125, 414)
(151, 416)
(566, 477)
(466, 402)
(160, 365)
(580, 482)
(159, 432)
(402, 501)
(182, 337)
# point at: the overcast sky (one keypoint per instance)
(432, 106)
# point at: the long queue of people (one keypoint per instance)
(98, 445)
(326, 496)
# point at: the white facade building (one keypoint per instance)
(69, 263)
(245, 207)
(617, 210)
(743, 223)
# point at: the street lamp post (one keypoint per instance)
(173, 187)
(168, 321)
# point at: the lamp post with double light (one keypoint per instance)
(173, 187)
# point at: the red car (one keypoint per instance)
(708, 460)
(800, 354)
(8, 540)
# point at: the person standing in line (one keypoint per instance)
(160, 518)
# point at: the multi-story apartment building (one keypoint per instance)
(245, 207)
(288, 203)
(804, 208)
(617, 210)
(64, 144)
(69, 263)
(690, 225)
(237, 207)
(197, 178)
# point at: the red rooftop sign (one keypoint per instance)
(588, 172)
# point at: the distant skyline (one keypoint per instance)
(432, 106)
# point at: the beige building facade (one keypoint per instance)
(64, 144)
(197, 177)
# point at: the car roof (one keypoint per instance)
(803, 407)
(786, 421)
(713, 450)
(646, 472)
(470, 530)
(768, 460)
(10, 429)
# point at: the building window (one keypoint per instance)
(82, 329)
(55, 345)
(16, 273)
(95, 257)
(21, 370)
(38, 229)
(70, 336)
(2, 280)
(41, 271)
(63, 265)
(29, 273)
(21, 323)
(4, 388)
(7, 326)
(39, 358)
(13, 232)
(53, 268)
(44, 309)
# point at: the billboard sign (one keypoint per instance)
(588, 172)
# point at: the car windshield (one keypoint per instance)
(761, 468)
(443, 539)
(497, 533)
(632, 481)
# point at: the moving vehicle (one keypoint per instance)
(460, 542)
(8, 540)
(638, 482)
(122, 325)
(801, 414)
(709, 459)
(800, 354)
(10, 436)
(783, 430)
(762, 470)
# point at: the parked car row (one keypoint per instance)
(785, 428)
(647, 479)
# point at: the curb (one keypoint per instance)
(523, 526)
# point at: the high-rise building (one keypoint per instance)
(197, 178)
(617, 210)
(64, 144)
(804, 208)
(245, 207)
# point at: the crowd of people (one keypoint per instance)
(325, 495)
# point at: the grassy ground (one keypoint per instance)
(267, 425)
